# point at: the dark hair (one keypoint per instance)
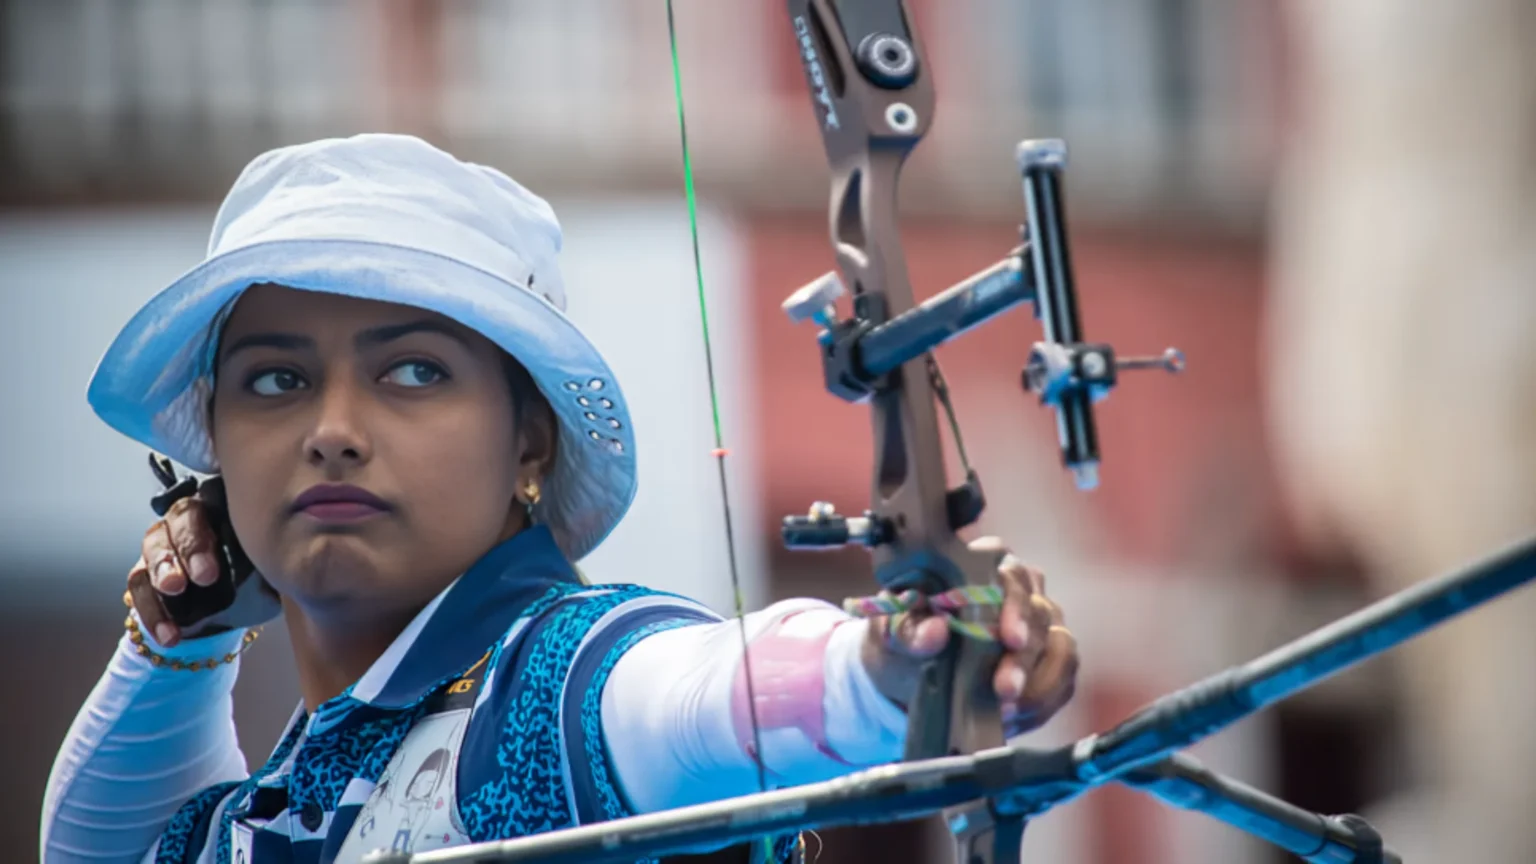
(528, 399)
(525, 392)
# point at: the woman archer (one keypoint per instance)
(415, 446)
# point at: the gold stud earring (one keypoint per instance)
(531, 493)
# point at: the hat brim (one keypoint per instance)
(153, 384)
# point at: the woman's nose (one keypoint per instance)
(339, 434)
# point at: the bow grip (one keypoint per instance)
(1041, 163)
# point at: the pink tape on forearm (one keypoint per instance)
(789, 681)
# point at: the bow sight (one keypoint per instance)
(858, 353)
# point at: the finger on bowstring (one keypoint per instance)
(1051, 680)
(193, 540)
(150, 606)
(166, 569)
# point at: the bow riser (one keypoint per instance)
(874, 100)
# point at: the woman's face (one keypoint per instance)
(370, 451)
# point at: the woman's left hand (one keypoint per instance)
(1037, 671)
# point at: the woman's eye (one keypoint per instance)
(415, 373)
(276, 382)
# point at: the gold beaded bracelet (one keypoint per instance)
(136, 636)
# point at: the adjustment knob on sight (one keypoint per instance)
(814, 300)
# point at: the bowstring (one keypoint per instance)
(720, 452)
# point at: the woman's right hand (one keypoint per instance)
(181, 550)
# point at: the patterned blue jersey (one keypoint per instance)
(482, 722)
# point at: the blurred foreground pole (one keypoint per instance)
(1402, 356)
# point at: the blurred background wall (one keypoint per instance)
(1320, 203)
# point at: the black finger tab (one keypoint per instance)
(199, 602)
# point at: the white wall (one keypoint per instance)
(74, 494)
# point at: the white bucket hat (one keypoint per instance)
(391, 218)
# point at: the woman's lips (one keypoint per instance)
(340, 511)
(339, 502)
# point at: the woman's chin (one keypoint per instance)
(335, 566)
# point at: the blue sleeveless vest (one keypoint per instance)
(487, 727)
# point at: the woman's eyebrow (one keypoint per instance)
(288, 341)
(376, 336)
(369, 338)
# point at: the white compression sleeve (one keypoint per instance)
(675, 718)
(146, 740)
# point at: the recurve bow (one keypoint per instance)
(872, 94)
